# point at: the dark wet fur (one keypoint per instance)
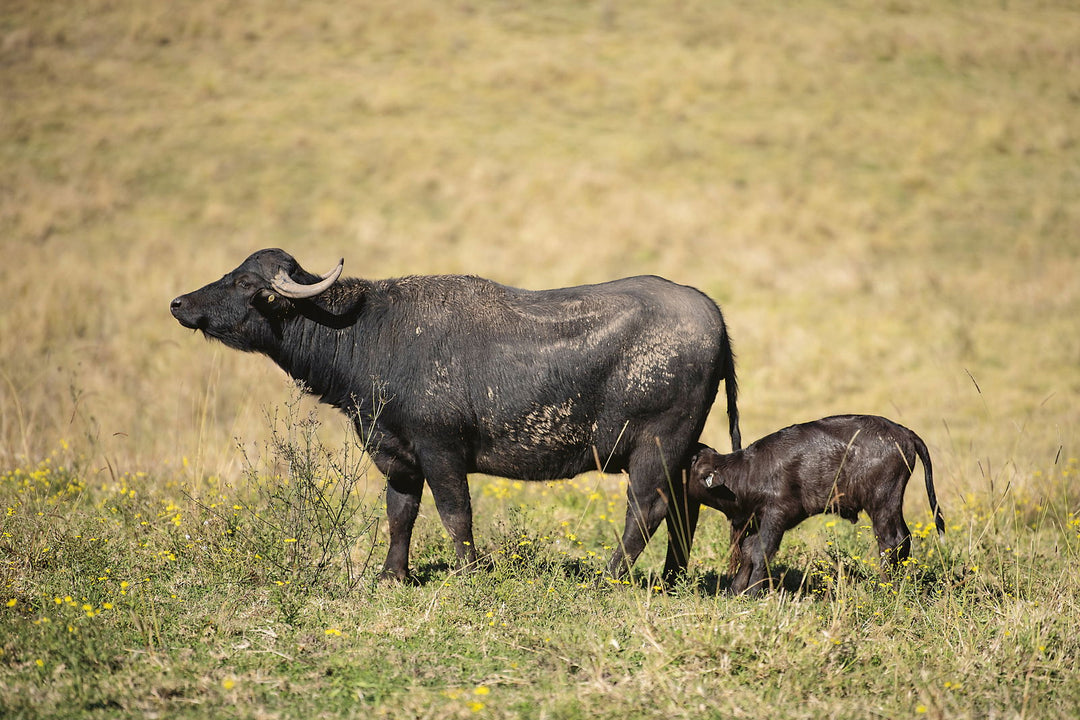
(481, 377)
(842, 465)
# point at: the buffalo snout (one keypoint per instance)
(182, 310)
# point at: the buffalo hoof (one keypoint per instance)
(395, 577)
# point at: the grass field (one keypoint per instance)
(883, 196)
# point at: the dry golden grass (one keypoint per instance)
(883, 197)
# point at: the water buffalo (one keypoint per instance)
(840, 464)
(481, 377)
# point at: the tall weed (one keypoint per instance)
(311, 521)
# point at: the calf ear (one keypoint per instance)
(716, 488)
(723, 492)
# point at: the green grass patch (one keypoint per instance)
(128, 597)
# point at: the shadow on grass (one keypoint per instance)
(438, 570)
(785, 579)
(428, 572)
(710, 583)
(799, 583)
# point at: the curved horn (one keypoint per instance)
(289, 288)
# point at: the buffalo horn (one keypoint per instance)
(288, 287)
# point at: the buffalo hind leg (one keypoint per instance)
(682, 519)
(646, 508)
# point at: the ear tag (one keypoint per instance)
(709, 479)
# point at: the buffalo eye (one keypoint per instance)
(246, 283)
(267, 300)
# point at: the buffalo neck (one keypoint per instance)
(320, 343)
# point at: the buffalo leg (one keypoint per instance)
(643, 517)
(646, 508)
(402, 504)
(450, 489)
(682, 519)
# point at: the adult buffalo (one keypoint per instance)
(480, 377)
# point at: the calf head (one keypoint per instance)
(707, 483)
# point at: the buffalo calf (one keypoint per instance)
(841, 464)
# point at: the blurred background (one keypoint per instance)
(884, 197)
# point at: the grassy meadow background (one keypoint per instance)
(884, 197)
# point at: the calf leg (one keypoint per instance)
(742, 562)
(893, 536)
(762, 548)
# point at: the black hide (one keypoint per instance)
(842, 464)
(480, 377)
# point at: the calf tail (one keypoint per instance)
(731, 388)
(924, 458)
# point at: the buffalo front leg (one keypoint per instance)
(450, 489)
(402, 504)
